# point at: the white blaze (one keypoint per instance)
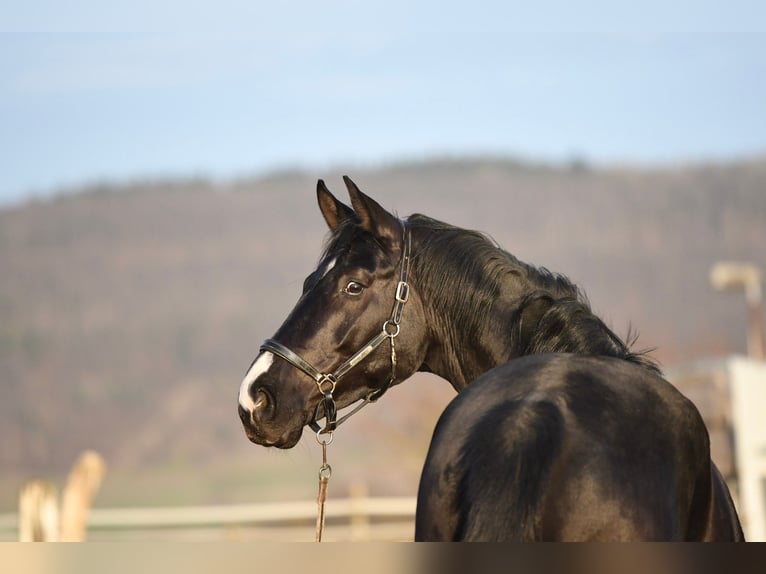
(330, 266)
(260, 366)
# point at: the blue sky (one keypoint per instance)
(93, 91)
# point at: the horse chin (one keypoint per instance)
(286, 441)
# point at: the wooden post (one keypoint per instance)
(756, 346)
(83, 483)
(38, 512)
(359, 517)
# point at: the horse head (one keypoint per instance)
(355, 330)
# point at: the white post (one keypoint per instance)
(731, 275)
(747, 379)
(83, 483)
(38, 512)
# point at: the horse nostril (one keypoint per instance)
(261, 400)
(258, 406)
(263, 404)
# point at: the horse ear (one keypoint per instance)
(372, 216)
(334, 211)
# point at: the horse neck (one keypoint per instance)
(485, 307)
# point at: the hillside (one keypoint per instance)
(128, 314)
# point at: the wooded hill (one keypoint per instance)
(129, 313)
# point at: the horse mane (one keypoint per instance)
(569, 326)
(465, 272)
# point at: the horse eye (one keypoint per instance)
(353, 288)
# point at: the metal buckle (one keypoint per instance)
(402, 292)
(327, 379)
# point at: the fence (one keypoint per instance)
(355, 518)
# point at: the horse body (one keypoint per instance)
(571, 447)
(558, 432)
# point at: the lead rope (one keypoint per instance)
(325, 472)
(393, 361)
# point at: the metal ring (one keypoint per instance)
(387, 332)
(323, 441)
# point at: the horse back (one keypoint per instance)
(571, 447)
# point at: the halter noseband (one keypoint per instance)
(326, 382)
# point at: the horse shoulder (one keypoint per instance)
(493, 447)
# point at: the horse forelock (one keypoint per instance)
(349, 238)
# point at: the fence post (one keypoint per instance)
(38, 512)
(83, 483)
(359, 515)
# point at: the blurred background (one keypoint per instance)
(158, 215)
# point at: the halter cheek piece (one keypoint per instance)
(326, 382)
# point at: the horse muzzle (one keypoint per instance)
(265, 435)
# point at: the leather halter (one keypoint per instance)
(326, 382)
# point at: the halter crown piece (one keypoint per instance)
(326, 382)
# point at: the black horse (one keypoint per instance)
(564, 433)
